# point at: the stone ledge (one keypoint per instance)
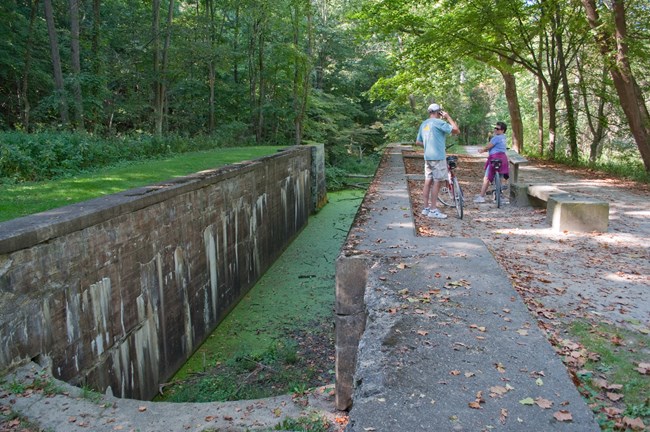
(567, 212)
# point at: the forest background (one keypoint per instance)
(90, 83)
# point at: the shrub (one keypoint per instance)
(49, 155)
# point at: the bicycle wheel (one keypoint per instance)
(446, 198)
(458, 198)
(497, 189)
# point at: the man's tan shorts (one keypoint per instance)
(436, 170)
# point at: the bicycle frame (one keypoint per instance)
(455, 193)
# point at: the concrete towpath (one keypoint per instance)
(449, 344)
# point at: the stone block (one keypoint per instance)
(346, 359)
(349, 329)
(566, 212)
(543, 192)
(519, 195)
(351, 279)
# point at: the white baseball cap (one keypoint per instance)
(434, 107)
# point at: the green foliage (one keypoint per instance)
(619, 351)
(43, 156)
(21, 199)
(249, 375)
(312, 423)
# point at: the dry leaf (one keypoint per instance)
(634, 423)
(612, 411)
(500, 367)
(503, 416)
(423, 332)
(498, 390)
(475, 405)
(563, 416)
(454, 372)
(543, 403)
(614, 396)
(527, 401)
(643, 369)
(142, 408)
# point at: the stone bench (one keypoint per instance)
(566, 211)
(514, 160)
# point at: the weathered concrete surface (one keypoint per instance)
(448, 344)
(568, 212)
(73, 409)
(120, 290)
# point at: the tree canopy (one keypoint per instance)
(569, 77)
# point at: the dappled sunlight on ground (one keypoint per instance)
(601, 275)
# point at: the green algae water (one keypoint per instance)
(295, 296)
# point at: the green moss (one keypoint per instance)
(295, 295)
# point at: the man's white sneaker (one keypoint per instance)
(479, 199)
(435, 213)
(426, 211)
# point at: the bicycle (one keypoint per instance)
(454, 197)
(499, 188)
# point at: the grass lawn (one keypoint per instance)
(28, 198)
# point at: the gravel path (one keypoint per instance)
(599, 276)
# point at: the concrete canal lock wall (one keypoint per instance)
(119, 291)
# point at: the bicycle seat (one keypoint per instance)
(496, 163)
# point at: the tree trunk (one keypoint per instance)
(302, 71)
(96, 112)
(551, 96)
(566, 92)
(56, 63)
(157, 97)
(164, 101)
(516, 124)
(540, 116)
(629, 93)
(27, 65)
(76, 63)
(597, 127)
(262, 85)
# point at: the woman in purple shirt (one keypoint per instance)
(497, 150)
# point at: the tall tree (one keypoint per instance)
(56, 63)
(76, 63)
(301, 10)
(24, 92)
(613, 45)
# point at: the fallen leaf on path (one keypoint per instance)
(643, 369)
(504, 416)
(423, 332)
(527, 401)
(498, 391)
(142, 408)
(563, 416)
(634, 423)
(543, 403)
(614, 396)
